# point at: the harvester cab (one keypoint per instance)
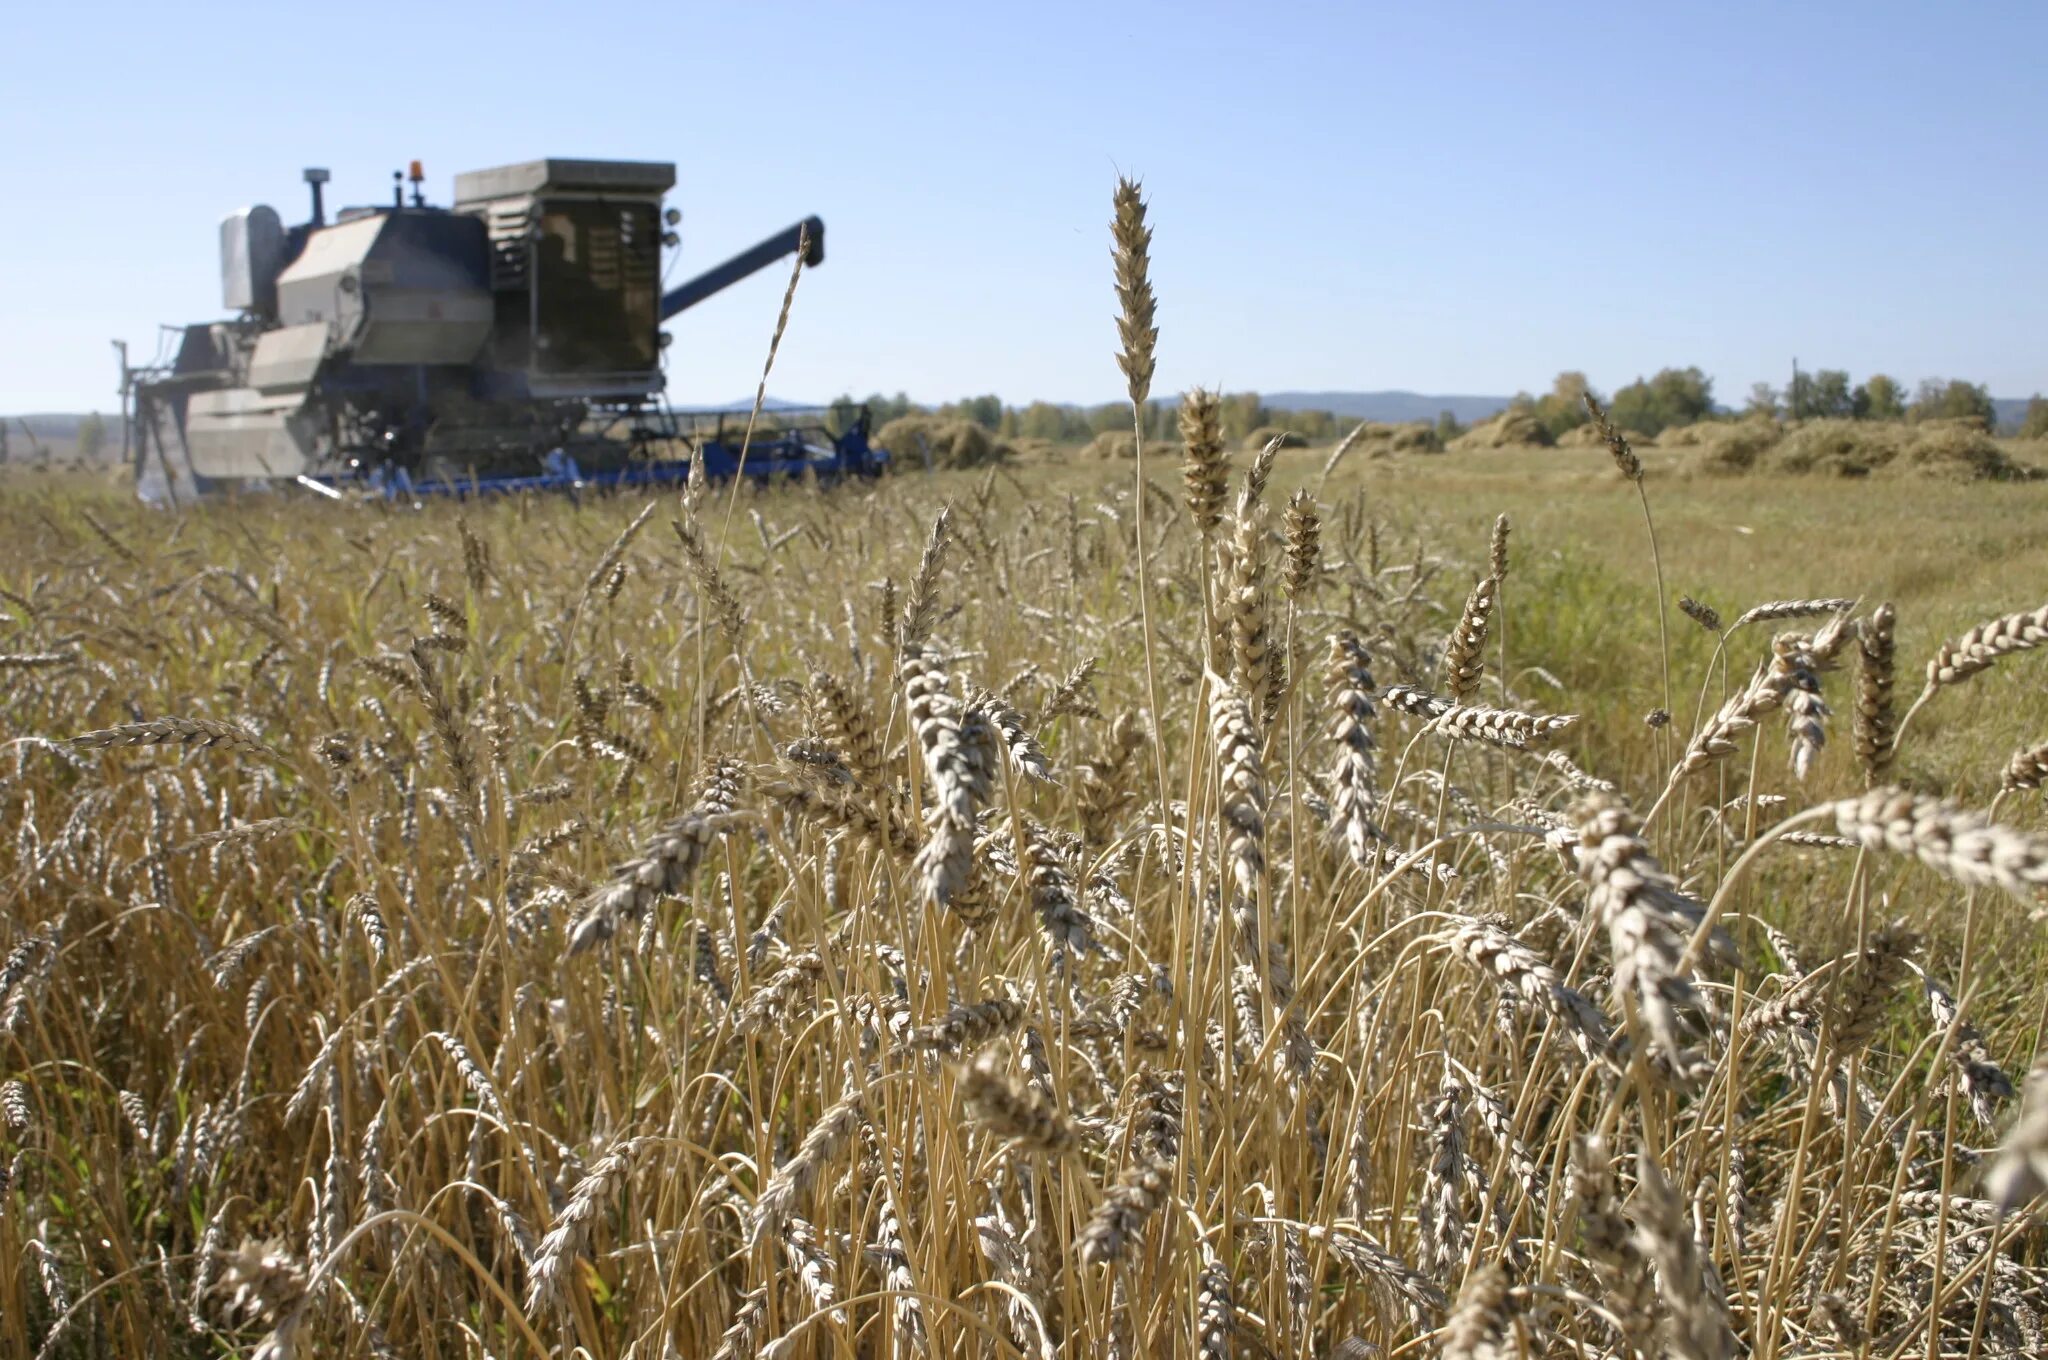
(443, 348)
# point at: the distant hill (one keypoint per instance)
(54, 437)
(741, 406)
(1392, 407)
(2011, 411)
(60, 426)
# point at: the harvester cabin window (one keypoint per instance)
(599, 276)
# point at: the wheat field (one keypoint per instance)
(1254, 905)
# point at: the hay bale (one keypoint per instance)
(1266, 434)
(951, 443)
(1957, 450)
(1728, 447)
(1415, 437)
(1111, 444)
(1977, 423)
(1952, 450)
(1038, 450)
(1509, 429)
(1690, 436)
(1381, 439)
(1841, 448)
(1588, 437)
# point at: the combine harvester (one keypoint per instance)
(511, 342)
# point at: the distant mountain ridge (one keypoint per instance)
(54, 436)
(54, 425)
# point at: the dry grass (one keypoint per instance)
(949, 918)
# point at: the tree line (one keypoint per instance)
(1681, 396)
(1671, 397)
(1242, 413)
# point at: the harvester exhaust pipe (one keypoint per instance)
(807, 236)
(315, 177)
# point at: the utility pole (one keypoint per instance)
(121, 349)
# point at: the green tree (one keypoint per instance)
(1799, 395)
(1241, 413)
(841, 414)
(885, 409)
(1819, 395)
(985, 411)
(1831, 388)
(1676, 396)
(1447, 426)
(1315, 426)
(1952, 400)
(2034, 424)
(1042, 420)
(1564, 406)
(1831, 399)
(92, 436)
(1112, 417)
(1686, 393)
(1882, 399)
(1763, 401)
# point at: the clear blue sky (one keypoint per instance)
(1455, 198)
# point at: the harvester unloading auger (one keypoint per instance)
(511, 341)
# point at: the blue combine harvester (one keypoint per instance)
(509, 342)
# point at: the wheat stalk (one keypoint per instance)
(1477, 1328)
(1012, 1110)
(1697, 1317)
(1875, 648)
(565, 1240)
(1705, 615)
(1773, 610)
(1647, 920)
(1981, 647)
(1516, 968)
(1352, 800)
(2019, 1172)
(1131, 248)
(1464, 655)
(1205, 468)
(202, 732)
(1504, 727)
(1954, 843)
(1304, 529)
(666, 863)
